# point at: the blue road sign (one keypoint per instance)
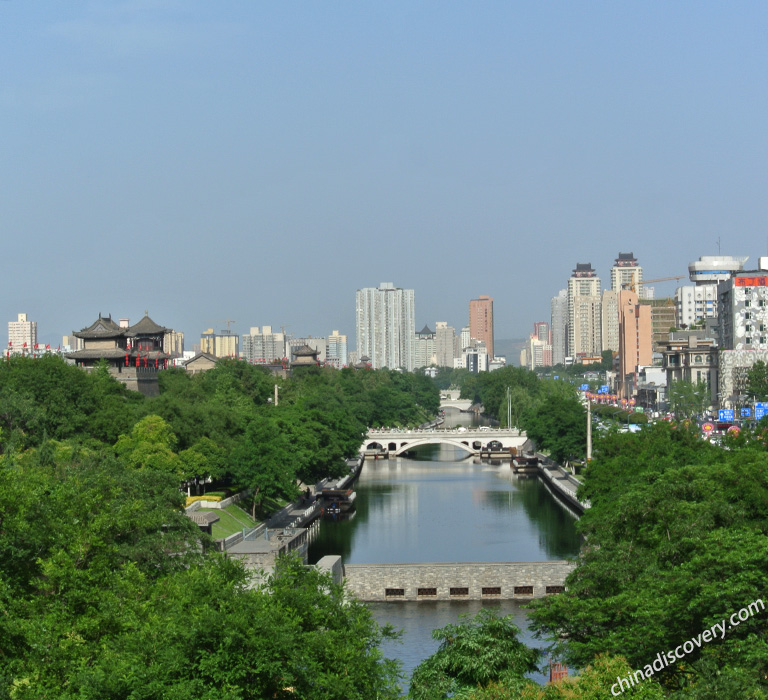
(760, 413)
(761, 404)
(603, 389)
(746, 412)
(584, 387)
(725, 415)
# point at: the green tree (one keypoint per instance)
(203, 460)
(264, 463)
(757, 381)
(474, 653)
(519, 401)
(592, 683)
(559, 426)
(490, 388)
(105, 592)
(688, 399)
(676, 541)
(150, 446)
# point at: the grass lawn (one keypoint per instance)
(233, 519)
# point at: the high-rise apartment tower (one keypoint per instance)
(22, 335)
(559, 307)
(385, 325)
(584, 312)
(481, 321)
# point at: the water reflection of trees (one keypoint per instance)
(337, 537)
(556, 526)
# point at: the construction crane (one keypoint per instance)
(227, 321)
(631, 285)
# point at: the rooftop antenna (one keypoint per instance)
(718, 245)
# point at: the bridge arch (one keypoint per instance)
(396, 441)
(436, 440)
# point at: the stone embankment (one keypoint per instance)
(561, 483)
(467, 581)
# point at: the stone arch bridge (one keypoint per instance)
(384, 442)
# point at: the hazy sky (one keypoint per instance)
(260, 161)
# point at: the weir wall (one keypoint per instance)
(468, 581)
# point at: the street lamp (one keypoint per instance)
(276, 399)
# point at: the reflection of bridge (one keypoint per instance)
(395, 442)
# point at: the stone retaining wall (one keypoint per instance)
(216, 504)
(473, 581)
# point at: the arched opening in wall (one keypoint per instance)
(374, 446)
(495, 445)
(392, 446)
(476, 445)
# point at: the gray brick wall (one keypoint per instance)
(474, 581)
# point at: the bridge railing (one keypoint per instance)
(514, 432)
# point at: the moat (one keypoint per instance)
(442, 507)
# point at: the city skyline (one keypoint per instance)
(257, 162)
(54, 338)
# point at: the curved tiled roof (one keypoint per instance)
(145, 327)
(305, 351)
(101, 328)
(206, 355)
(116, 354)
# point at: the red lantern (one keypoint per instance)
(126, 359)
(155, 363)
(138, 360)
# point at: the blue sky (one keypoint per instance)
(261, 161)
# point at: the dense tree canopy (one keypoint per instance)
(217, 424)
(676, 541)
(549, 410)
(475, 653)
(105, 592)
(108, 591)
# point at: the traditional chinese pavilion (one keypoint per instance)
(134, 354)
(304, 356)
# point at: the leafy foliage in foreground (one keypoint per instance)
(676, 541)
(474, 653)
(105, 593)
(593, 683)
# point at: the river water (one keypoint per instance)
(444, 507)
